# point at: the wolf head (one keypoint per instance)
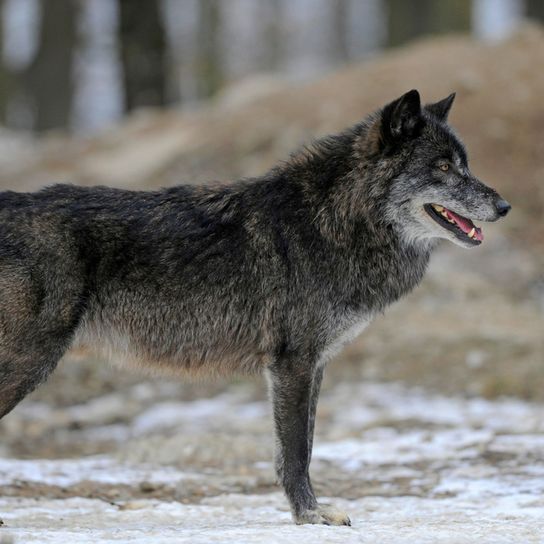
(429, 188)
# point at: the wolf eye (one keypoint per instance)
(444, 166)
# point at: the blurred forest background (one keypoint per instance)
(82, 64)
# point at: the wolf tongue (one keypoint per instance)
(466, 225)
(463, 223)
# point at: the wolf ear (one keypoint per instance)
(442, 108)
(401, 119)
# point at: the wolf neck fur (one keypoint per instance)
(346, 203)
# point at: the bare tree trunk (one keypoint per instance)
(5, 74)
(270, 17)
(143, 53)
(48, 80)
(451, 16)
(408, 20)
(339, 30)
(208, 66)
(535, 9)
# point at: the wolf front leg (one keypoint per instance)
(295, 388)
(314, 397)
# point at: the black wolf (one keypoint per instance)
(270, 274)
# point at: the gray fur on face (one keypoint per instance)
(271, 274)
(424, 182)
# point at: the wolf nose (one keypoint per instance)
(503, 207)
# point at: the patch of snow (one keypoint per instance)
(388, 446)
(435, 469)
(66, 472)
(392, 402)
(174, 414)
(264, 519)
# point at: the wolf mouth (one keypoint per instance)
(461, 226)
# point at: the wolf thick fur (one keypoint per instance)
(269, 274)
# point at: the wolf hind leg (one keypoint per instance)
(36, 327)
(22, 372)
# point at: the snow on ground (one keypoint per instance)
(408, 466)
(263, 519)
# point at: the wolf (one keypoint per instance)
(272, 274)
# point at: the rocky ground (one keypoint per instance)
(431, 427)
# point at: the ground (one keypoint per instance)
(406, 464)
(431, 424)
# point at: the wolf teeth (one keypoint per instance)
(443, 212)
(472, 233)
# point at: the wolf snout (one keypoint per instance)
(502, 206)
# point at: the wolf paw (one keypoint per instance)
(324, 514)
